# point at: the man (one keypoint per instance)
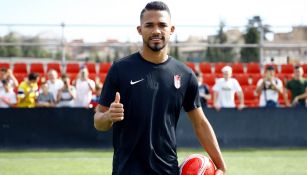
(224, 91)
(54, 83)
(84, 89)
(269, 87)
(142, 98)
(28, 92)
(298, 88)
(203, 88)
(7, 95)
(7, 74)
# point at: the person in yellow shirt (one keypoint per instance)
(28, 92)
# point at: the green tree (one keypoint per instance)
(13, 50)
(3, 52)
(32, 50)
(216, 54)
(253, 36)
(249, 54)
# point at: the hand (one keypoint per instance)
(295, 101)
(116, 110)
(10, 72)
(217, 107)
(241, 106)
(219, 172)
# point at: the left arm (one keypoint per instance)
(277, 87)
(302, 96)
(13, 78)
(207, 138)
(241, 98)
(91, 85)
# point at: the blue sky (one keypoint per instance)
(187, 15)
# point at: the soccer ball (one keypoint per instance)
(197, 164)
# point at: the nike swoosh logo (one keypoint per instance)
(134, 82)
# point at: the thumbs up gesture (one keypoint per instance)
(116, 110)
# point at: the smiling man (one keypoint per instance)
(142, 98)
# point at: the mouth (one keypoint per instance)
(156, 38)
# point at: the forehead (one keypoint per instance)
(300, 69)
(154, 16)
(270, 71)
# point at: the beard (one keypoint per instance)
(156, 47)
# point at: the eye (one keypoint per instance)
(163, 25)
(148, 25)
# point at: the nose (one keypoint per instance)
(156, 30)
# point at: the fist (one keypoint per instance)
(116, 110)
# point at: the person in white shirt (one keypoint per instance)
(224, 91)
(7, 74)
(54, 83)
(7, 95)
(84, 89)
(67, 94)
(269, 87)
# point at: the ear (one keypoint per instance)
(139, 29)
(172, 29)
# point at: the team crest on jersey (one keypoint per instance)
(177, 81)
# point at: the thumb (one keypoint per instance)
(117, 97)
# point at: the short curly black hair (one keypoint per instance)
(155, 5)
(32, 76)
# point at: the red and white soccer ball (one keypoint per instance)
(197, 164)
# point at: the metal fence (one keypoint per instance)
(106, 42)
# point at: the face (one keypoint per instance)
(156, 29)
(270, 73)
(44, 88)
(2, 74)
(84, 73)
(298, 72)
(52, 75)
(66, 81)
(227, 74)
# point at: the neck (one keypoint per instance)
(297, 78)
(154, 57)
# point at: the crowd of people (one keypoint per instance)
(84, 92)
(269, 88)
(54, 91)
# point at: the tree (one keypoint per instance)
(14, 50)
(32, 50)
(3, 51)
(253, 36)
(215, 54)
(249, 54)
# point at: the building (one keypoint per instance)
(295, 49)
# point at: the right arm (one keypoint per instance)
(215, 103)
(259, 86)
(286, 98)
(104, 117)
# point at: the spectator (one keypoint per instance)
(84, 88)
(269, 87)
(7, 95)
(28, 91)
(67, 94)
(224, 91)
(203, 88)
(54, 83)
(96, 95)
(45, 98)
(298, 88)
(7, 74)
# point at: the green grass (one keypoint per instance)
(99, 162)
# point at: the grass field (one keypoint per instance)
(98, 162)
